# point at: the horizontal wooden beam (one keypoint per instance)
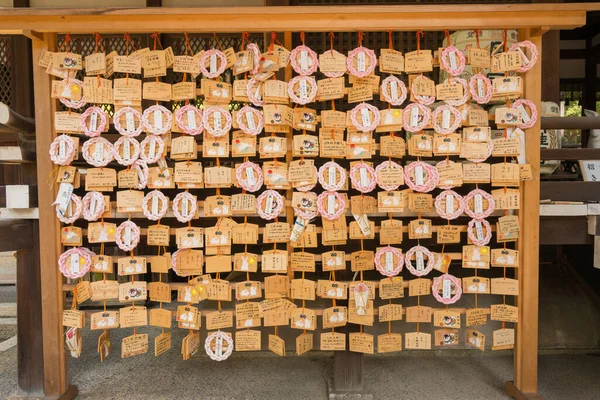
(310, 18)
(16, 235)
(570, 154)
(570, 123)
(570, 191)
(564, 230)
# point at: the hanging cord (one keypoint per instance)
(419, 34)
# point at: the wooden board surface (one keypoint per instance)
(310, 18)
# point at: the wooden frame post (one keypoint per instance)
(55, 364)
(525, 385)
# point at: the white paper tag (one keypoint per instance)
(446, 289)
(94, 121)
(219, 346)
(191, 119)
(302, 89)
(419, 175)
(154, 205)
(478, 199)
(331, 175)
(445, 119)
(98, 152)
(524, 58)
(130, 122)
(479, 230)
(480, 88)
(162, 164)
(69, 212)
(158, 120)
(394, 90)
(363, 223)
(331, 204)
(452, 57)
(269, 204)
(449, 204)
(140, 171)
(414, 117)
(63, 198)
(524, 114)
(127, 236)
(250, 176)
(420, 261)
(93, 205)
(213, 63)
(304, 60)
(62, 149)
(152, 149)
(366, 117)
(361, 62)
(185, 208)
(250, 120)
(258, 93)
(389, 261)
(217, 121)
(298, 228)
(75, 263)
(364, 180)
(126, 150)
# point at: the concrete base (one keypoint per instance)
(332, 394)
(70, 394)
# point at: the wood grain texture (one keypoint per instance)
(55, 367)
(526, 348)
(310, 18)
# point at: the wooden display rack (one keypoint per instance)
(42, 25)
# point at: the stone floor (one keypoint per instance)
(432, 375)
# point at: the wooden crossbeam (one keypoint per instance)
(310, 18)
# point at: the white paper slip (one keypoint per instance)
(302, 89)
(250, 176)
(389, 261)
(394, 90)
(524, 114)
(366, 117)
(164, 169)
(420, 261)
(158, 120)
(479, 230)
(94, 121)
(126, 150)
(152, 149)
(130, 122)
(213, 63)
(298, 228)
(62, 148)
(63, 198)
(98, 152)
(75, 263)
(446, 119)
(127, 236)
(331, 176)
(250, 120)
(185, 208)
(191, 119)
(449, 204)
(304, 60)
(452, 57)
(93, 205)
(217, 121)
(154, 205)
(269, 204)
(363, 223)
(446, 289)
(361, 62)
(478, 199)
(414, 117)
(364, 180)
(480, 88)
(419, 175)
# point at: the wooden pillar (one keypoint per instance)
(589, 90)
(526, 347)
(55, 364)
(348, 367)
(550, 66)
